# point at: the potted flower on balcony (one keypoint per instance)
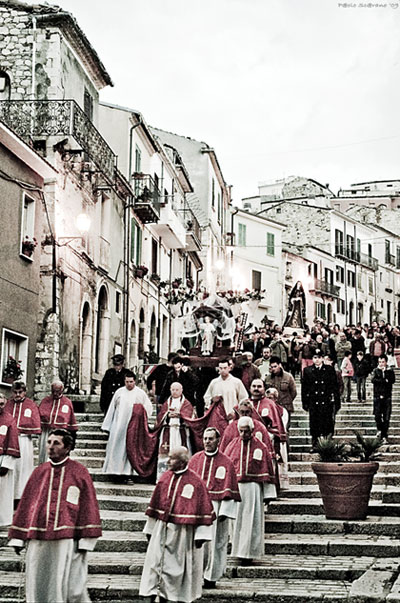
(155, 278)
(12, 370)
(345, 473)
(141, 271)
(28, 246)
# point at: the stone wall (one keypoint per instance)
(16, 50)
(304, 224)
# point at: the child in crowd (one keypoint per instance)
(347, 374)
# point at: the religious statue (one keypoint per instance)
(296, 314)
(207, 336)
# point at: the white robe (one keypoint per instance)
(173, 567)
(44, 436)
(7, 489)
(216, 551)
(24, 465)
(56, 571)
(116, 423)
(231, 388)
(248, 531)
(175, 439)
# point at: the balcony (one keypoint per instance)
(368, 261)
(357, 257)
(193, 232)
(147, 198)
(170, 228)
(322, 286)
(390, 259)
(35, 119)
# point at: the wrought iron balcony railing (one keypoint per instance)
(368, 261)
(33, 119)
(356, 257)
(192, 226)
(147, 198)
(323, 286)
(390, 259)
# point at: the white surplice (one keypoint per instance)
(116, 423)
(248, 529)
(231, 389)
(24, 466)
(173, 567)
(216, 551)
(7, 489)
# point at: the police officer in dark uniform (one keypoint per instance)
(320, 397)
(113, 379)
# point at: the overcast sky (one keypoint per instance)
(277, 87)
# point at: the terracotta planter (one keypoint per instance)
(345, 488)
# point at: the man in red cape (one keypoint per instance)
(255, 473)
(59, 516)
(56, 412)
(26, 414)
(218, 473)
(142, 445)
(245, 408)
(180, 517)
(9, 453)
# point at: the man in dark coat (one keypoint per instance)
(179, 373)
(382, 380)
(320, 397)
(113, 379)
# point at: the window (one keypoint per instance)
(28, 241)
(117, 302)
(338, 242)
(5, 86)
(219, 207)
(270, 243)
(340, 307)
(397, 257)
(136, 242)
(370, 285)
(242, 235)
(340, 274)
(138, 160)
(320, 310)
(350, 247)
(328, 274)
(351, 278)
(88, 104)
(154, 256)
(256, 280)
(14, 347)
(213, 193)
(359, 281)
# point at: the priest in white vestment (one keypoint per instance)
(230, 388)
(180, 517)
(116, 424)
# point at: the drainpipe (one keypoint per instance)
(33, 59)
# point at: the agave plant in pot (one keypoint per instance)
(345, 473)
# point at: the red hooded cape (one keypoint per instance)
(59, 501)
(58, 413)
(218, 473)
(26, 414)
(260, 432)
(252, 460)
(8, 435)
(142, 445)
(266, 407)
(181, 498)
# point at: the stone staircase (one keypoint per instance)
(307, 557)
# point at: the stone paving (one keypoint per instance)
(307, 557)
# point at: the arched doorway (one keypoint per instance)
(86, 349)
(329, 313)
(102, 331)
(371, 313)
(351, 313)
(360, 313)
(153, 332)
(133, 345)
(141, 335)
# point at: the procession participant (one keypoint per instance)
(180, 516)
(263, 363)
(245, 408)
(9, 453)
(382, 380)
(218, 473)
(254, 470)
(174, 432)
(56, 412)
(268, 409)
(116, 424)
(320, 397)
(249, 370)
(59, 516)
(230, 388)
(113, 379)
(284, 383)
(26, 414)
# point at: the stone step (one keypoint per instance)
(307, 478)
(302, 464)
(317, 524)
(121, 541)
(122, 503)
(313, 506)
(312, 491)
